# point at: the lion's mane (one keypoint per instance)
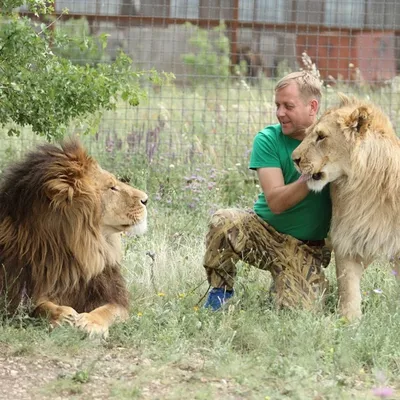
(51, 242)
(366, 213)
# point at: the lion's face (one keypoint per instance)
(323, 155)
(331, 145)
(123, 207)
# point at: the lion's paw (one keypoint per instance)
(92, 325)
(63, 314)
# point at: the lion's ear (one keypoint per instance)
(344, 99)
(66, 183)
(59, 192)
(359, 120)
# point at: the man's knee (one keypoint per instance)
(223, 215)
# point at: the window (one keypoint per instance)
(263, 10)
(184, 8)
(346, 13)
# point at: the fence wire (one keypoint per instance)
(226, 56)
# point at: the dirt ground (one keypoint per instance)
(119, 374)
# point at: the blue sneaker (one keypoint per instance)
(217, 297)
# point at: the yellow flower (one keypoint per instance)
(181, 295)
(196, 308)
(139, 314)
(161, 294)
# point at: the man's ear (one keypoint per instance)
(314, 107)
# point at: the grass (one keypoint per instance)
(171, 348)
(250, 350)
(294, 354)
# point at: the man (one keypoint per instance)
(285, 232)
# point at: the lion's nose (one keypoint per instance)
(297, 160)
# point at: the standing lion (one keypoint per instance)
(355, 149)
(61, 218)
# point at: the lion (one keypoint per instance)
(61, 219)
(354, 148)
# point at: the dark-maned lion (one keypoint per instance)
(355, 149)
(61, 218)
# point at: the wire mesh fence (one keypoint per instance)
(226, 56)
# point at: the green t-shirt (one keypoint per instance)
(310, 218)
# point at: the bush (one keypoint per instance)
(47, 91)
(76, 43)
(211, 60)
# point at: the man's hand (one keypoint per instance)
(280, 197)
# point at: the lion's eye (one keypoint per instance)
(114, 188)
(320, 137)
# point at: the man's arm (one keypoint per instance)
(280, 197)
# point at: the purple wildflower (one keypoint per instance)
(383, 392)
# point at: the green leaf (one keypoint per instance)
(42, 88)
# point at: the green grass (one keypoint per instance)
(171, 348)
(294, 354)
(250, 350)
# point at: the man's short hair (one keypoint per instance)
(309, 85)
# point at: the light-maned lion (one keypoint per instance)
(61, 218)
(355, 149)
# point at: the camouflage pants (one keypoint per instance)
(296, 268)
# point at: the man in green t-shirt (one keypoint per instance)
(285, 232)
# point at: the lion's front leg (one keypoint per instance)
(56, 314)
(97, 322)
(349, 273)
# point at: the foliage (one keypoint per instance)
(76, 44)
(211, 59)
(36, 6)
(46, 91)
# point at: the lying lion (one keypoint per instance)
(61, 218)
(355, 148)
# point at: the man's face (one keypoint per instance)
(293, 112)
